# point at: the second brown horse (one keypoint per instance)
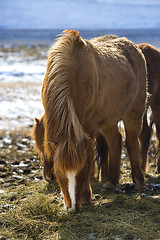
(152, 56)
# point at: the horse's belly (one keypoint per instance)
(117, 101)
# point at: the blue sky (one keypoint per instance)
(83, 14)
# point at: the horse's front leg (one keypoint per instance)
(113, 139)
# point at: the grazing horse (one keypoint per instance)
(38, 136)
(88, 87)
(152, 56)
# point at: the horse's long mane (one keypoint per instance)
(63, 131)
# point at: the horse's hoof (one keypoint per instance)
(158, 169)
(86, 204)
(107, 185)
(48, 179)
(138, 185)
(52, 177)
(86, 199)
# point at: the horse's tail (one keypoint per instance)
(64, 134)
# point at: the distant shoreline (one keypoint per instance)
(48, 36)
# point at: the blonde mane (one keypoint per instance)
(63, 132)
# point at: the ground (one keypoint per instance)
(31, 208)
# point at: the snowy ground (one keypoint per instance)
(21, 76)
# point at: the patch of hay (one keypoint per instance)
(35, 211)
(29, 212)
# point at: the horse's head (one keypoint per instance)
(38, 132)
(74, 179)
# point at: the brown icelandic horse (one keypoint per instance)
(89, 87)
(38, 136)
(152, 56)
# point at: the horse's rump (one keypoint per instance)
(152, 56)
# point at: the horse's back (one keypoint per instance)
(123, 76)
(121, 53)
(152, 56)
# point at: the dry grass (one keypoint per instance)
(28, 210)
(36, 212)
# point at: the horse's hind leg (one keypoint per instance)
(132, 125)
(156, 118)
(145, 140)
(114, 143)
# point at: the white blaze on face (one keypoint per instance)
(72, 188)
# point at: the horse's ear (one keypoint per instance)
(36, 120)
